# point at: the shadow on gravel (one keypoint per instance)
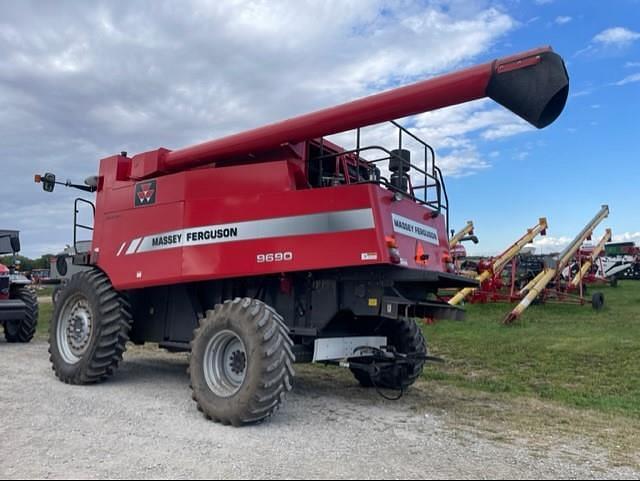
(148, 365)
(153, 368)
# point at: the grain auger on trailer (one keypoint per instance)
(538, 286)
(457, 251)
(275, 245)
(585, 264)
(489, 272)
(465, 234)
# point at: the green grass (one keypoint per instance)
(570, 354)
(45, 291)
(46, 310)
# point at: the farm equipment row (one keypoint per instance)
(515, 277)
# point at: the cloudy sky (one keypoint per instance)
(83, 80)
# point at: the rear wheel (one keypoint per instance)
(24, 330)
(89, 329)
(406, 337)
(241, 364)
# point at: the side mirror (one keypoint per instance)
(47, 180)
(15, 244)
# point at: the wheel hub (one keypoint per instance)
(238, 362)
(79, 329)
(225, 363)
(74, 329)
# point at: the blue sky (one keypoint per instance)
(83, 80)
(589, 157)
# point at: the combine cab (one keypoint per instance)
(18, 302)
(277, 245)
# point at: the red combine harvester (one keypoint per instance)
(275, 245)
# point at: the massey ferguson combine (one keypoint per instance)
(276, 246)
(18, 303)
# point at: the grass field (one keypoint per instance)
(570, 354)
(574, 355)
(46, 309)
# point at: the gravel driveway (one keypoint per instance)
(143, 424)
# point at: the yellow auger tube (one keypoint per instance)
(455, 240)
(531, 284)
(564, 260)
(592, 258)
(503, 259)
(547, 276)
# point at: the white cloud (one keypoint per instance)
(582, 93)
(617, 36)
(548, 244)
(632, 64)
(629, 79)
(563, 20)
(627, 237)
(544, 2)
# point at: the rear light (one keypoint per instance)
(394, 253)
(421, 256)
(391, 241)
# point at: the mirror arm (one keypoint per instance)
(83, 188)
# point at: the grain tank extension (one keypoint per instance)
(276, 245)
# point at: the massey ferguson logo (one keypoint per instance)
(146, 193)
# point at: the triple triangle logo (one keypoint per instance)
(146, 193)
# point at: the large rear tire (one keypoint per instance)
(406, 337)
(24, 330)
(89, 329)
(241, 364)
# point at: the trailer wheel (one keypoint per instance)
(241, 364)
(89, 329)
(597, 301)
(24, 330)
(406, 337)
(613, 281)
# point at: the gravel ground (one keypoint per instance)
(143, 424)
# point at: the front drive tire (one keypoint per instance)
(89, 329)
(23, 331)
(241, 364)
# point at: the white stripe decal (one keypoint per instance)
(326, 222)
(124, 244)
(133, 247)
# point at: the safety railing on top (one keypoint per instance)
(433, 189)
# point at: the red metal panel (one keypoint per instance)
(185, 202)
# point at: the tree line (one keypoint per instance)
(27, 264)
